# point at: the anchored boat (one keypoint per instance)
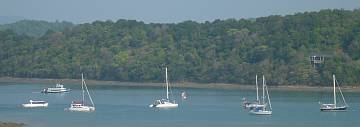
(263, 108)
(59, 88)
(165, 103)
(35, 104)
(81, 105)
(256, 103)
(334, 106)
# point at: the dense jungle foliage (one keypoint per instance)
(221, 51)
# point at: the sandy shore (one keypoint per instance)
(11, 124)
(11, 80)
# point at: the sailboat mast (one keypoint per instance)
(263, 94)
(82, 88)
(334, 90)
(257, 89)
(167, 84)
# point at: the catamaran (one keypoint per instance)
(263, 108)
(165, 103)
(80, 105)
(59, 88)
(35, 104)
(334, 106)
(256, 103)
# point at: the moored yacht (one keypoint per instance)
(334, 106)
(59, 88)
(35, 104)
(81, 106)
(264, 107)
(250, 105)
(165, 103)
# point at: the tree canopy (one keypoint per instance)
(36, 28)
(221, 51)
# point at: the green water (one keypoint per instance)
(128, 107)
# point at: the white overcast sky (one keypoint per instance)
(162, 11)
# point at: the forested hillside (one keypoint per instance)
(36, 28)
(226, 51)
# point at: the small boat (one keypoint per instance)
(165, 103)
(80, 106)
(183, 95)
(35, 104)
(334, 106)
(263, 108)
(59, 88)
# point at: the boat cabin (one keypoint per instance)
(37, 102)
(77, 104)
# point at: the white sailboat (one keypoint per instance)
(262, 108)
(256, 103)
(165, 103)
(80, 105)
(334, 106)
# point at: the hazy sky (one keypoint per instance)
(161, 11)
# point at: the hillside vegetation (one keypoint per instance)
(36, 28)
(226, 51)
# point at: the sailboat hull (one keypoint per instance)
(254, 105)
(333, 109)
(82, 109)
(260, 112)
(164, 105)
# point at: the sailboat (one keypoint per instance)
(256, 103)
(80, 105)
(334, 106)
(262, 108)
(165, 103)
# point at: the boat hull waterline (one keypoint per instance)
(168, 105)
(35, 104)
(82, 109)
(260, 112)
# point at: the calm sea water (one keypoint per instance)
(128, 107)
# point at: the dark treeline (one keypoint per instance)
(36, 28)
(226, 51)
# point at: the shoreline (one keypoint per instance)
(11, 124)
(175, 84)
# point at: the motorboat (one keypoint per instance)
(59, 88)
(35, 104)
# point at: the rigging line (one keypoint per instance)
(342, 95)
(268, 96)
(89, 94)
